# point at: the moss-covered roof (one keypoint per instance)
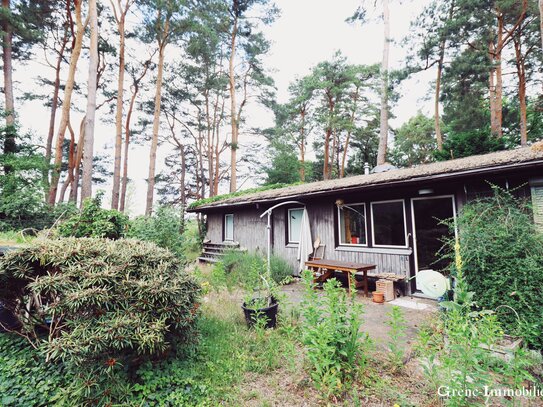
(518, 157)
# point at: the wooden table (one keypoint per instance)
(347, 268)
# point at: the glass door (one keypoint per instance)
(229, 227)
(429, 231)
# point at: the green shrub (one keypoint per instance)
(281, 271)
(330, 327)
(465, 144)
(396, 349)
(94, 221)
(192, 241)
(458, 362)
(238, 268)
(164, 228)
(39, 217)
(103, 306)
(502, 256)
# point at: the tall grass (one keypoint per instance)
(238, 266)
(10, 238)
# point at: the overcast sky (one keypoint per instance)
(307, 32)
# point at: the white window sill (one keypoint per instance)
(292, 245)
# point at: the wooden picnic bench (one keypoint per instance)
(324, 269)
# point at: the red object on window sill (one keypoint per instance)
(354, 239)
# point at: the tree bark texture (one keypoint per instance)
(302, 143)
(233, 116)
(541, 21)
(9, 103)
(437, 120)
(521, 74)
(67, 101)
(156, 122)
(383, 133)
(120, 17)
(88, 144)
(54, 107)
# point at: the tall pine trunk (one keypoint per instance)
(7, 50)
(119, 122)
(54, 108)
(156, 123)
(88, 144)
(496, 80)
(326, 161)
(541, 21)
(127, 135)
(67, 101)
(383, 133)
(440, 62)
(348, 138)
(499, 80)
(233, 117)
(521, 74)
(120, 17)
(124, 180)
(326, 173)
(74, 189)
(437, 120)
(302, 144)
(208, 149)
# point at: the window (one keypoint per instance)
(388, 223)
(294, 224)
(352, 224)
(229, 227)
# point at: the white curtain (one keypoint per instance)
(305, 247)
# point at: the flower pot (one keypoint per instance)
(270, 313)
(378, 297)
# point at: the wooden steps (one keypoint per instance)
(213, 252)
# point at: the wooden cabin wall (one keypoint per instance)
(250, 229)
(214, 227)
(322, 221)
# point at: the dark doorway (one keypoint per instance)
(430, 231)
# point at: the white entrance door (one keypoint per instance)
(229, 227)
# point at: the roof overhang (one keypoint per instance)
(498, 169)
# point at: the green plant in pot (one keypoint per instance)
(261, 298)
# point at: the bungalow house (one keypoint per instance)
(390, 219)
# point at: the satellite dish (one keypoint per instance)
(432, 283)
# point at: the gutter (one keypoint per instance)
(447, 175)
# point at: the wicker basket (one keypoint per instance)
(387, 288)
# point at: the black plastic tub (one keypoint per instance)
(270, 313)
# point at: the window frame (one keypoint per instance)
(365, 226)
(225, 239)
(288, 224)
(406, 234)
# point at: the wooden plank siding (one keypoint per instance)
(250, 233)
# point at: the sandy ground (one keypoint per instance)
(375, 315)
